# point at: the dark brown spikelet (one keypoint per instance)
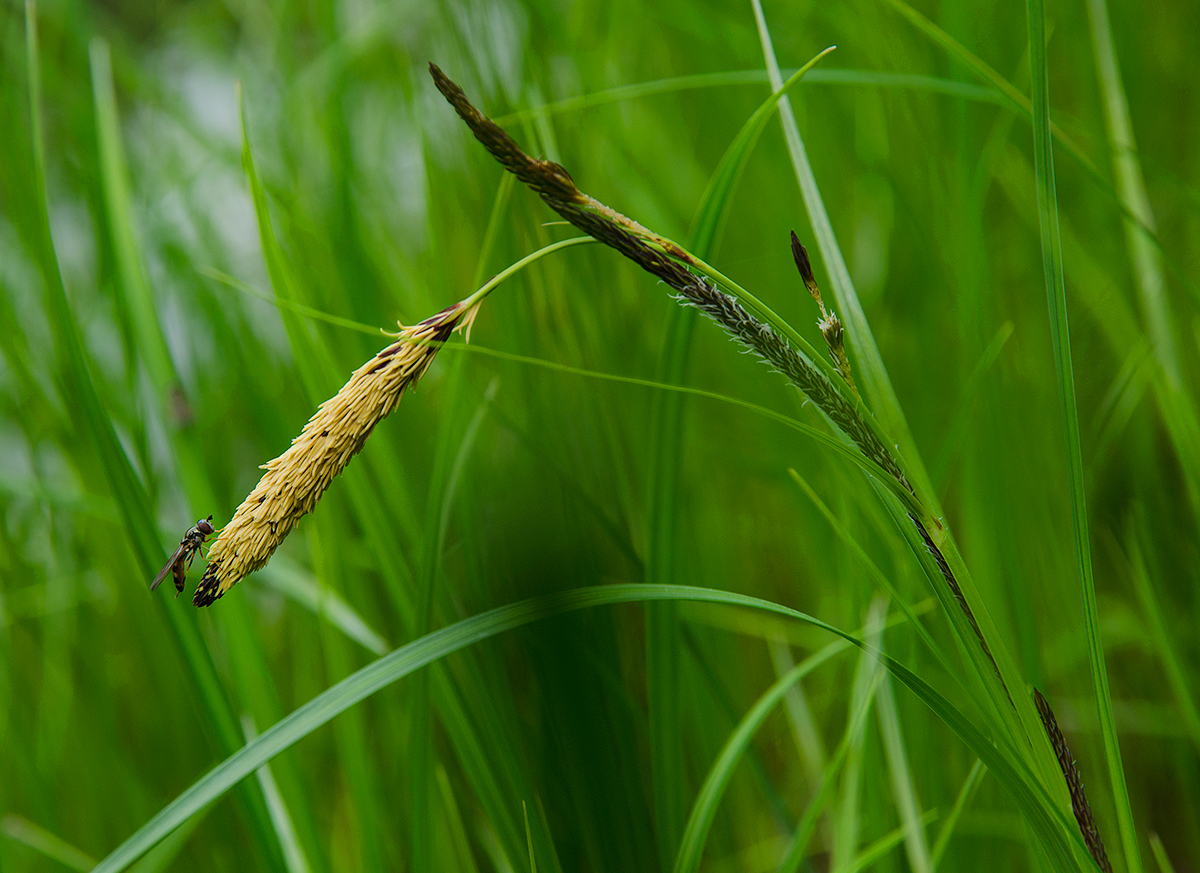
(546, 177)
(800, 254)
(831, 327)
(1079, 801)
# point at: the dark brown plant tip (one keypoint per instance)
(546, 177)
(1079, 801)
(800, 253)
(831, 327)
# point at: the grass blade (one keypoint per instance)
(903, 791)
(293, 853)
(1060, 333)
(704, 808)
(36, 837)
(960, 803)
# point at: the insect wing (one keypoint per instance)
(167, 567)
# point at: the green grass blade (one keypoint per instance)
(704, 808)
(677, 84)
(293, 853)
(1131, 188)
(36, 837)
(716, 199)
(904, 792)
(879, 849)
(1160, 855)
(295, 583)
(1173, 664)
(851, 808)
(115, 178)
(1060, 334)
(951, 821)
(463, 858)
(873, 570)
(866, 683)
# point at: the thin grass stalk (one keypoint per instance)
(1060, 333)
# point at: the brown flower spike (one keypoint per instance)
(295, 481)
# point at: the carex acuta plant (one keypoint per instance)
(695, 283)
(828, 384)
(295, 481)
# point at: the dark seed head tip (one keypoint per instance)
(802, 262)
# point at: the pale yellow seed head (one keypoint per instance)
(295, 481)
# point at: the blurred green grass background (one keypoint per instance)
(499, 479)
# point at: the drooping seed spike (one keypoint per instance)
(337, 431)
(1079, 801)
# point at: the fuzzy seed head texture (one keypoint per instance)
(295, 481)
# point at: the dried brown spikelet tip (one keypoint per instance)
(295, 481)
(549, 179)
(1079, 801)
(830, 325)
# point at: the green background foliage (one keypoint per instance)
(183, 279)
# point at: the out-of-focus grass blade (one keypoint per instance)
(1132, 189)
(295, 583)
(1177, 406)
(36, 837)
(882, 846)
(676, 84)
(529, 838)
(1060, 334)
(962, 415)
(715, 202)
(1160, 854)
(1173, 665)
(293, 853)
(704, 808)
(849, 813)
(873, 570)
(867, 677)
(903, 791)
(115, 177)
(128, 491)
(464, 858)
(951, 821)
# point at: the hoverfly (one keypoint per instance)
(182, 559)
